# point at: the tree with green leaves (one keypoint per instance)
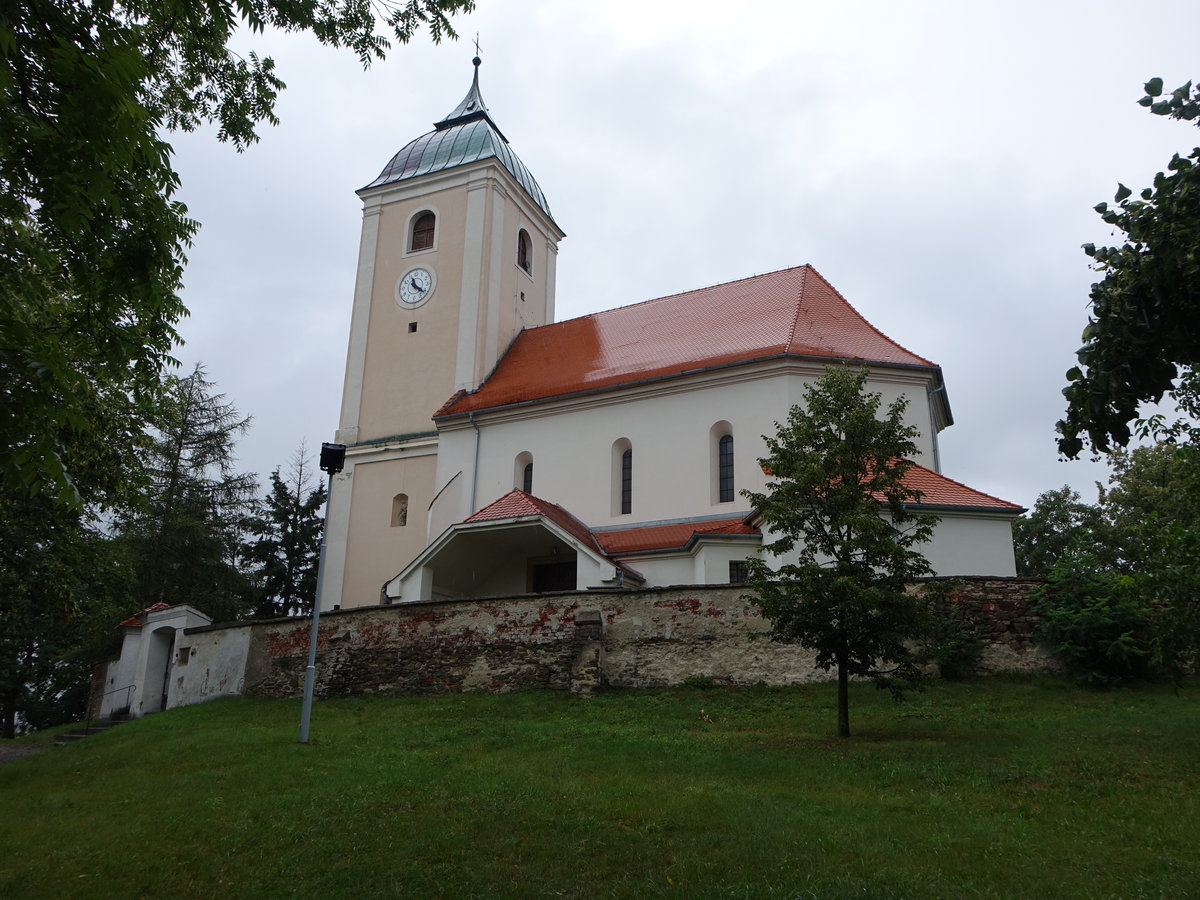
(1123, 593)
(1143, 333)
(92, 240)
(63, 588)
(841, 532)
(185, 544)
(286, 551)
(1060, 530)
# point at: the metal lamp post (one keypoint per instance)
(333, 458)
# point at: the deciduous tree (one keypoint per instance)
(1144, 329)
(92, 240)
(1060, 530)
(840, 520)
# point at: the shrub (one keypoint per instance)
(951, 641)
(1099, 625)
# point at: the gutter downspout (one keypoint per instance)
(474, 462)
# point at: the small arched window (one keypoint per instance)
(524, 251)
(523, 472)
(399, 510)
(627, 482)
(622, 477)
(423, 227)
(725, 468)
(720, 450)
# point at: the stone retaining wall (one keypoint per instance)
(577, 641)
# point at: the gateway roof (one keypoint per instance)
(792, 312)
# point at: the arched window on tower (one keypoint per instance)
(524, 251)
(399, 510)
(423, 227)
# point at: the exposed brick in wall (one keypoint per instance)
(584, 641)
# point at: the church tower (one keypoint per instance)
(457, 256)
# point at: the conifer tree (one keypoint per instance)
(185, 544)
(286, 552)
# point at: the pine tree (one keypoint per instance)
(287, 551)
(185, 544)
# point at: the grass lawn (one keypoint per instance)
(997, 788)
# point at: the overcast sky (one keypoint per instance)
(937, 162)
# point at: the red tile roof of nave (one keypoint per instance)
(792, 311)
(938, 490)
(667, 537)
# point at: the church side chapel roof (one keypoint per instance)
(938, 491)
(674, 536)
(517, 503)
(792, 312)
(467, 135)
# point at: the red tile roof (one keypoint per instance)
(789, 312)
(676, 535)
(135, 621)
(938, 490)
(516, 504)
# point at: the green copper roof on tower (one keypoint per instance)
(466, 135)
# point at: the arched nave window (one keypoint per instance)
(622, 477)
(523, 472)
(725, 468)
(720, 442)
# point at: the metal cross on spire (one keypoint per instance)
(477, 43)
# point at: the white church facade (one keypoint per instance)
(493, 451)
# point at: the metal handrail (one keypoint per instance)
(128, 702)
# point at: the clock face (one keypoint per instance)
(415, 286)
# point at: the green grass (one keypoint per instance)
(991, 789)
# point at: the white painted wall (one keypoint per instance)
(668, 425)
(215, 667)
(966, 544)
(147, 653)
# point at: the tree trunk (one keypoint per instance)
(843, 699)
(8, 700)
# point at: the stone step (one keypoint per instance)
(77, 734)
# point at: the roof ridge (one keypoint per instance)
(799, 308)
(869, 323)
(719, 284)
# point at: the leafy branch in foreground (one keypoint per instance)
(92, 241)
(1144, 329)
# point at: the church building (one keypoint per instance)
(493, 451)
